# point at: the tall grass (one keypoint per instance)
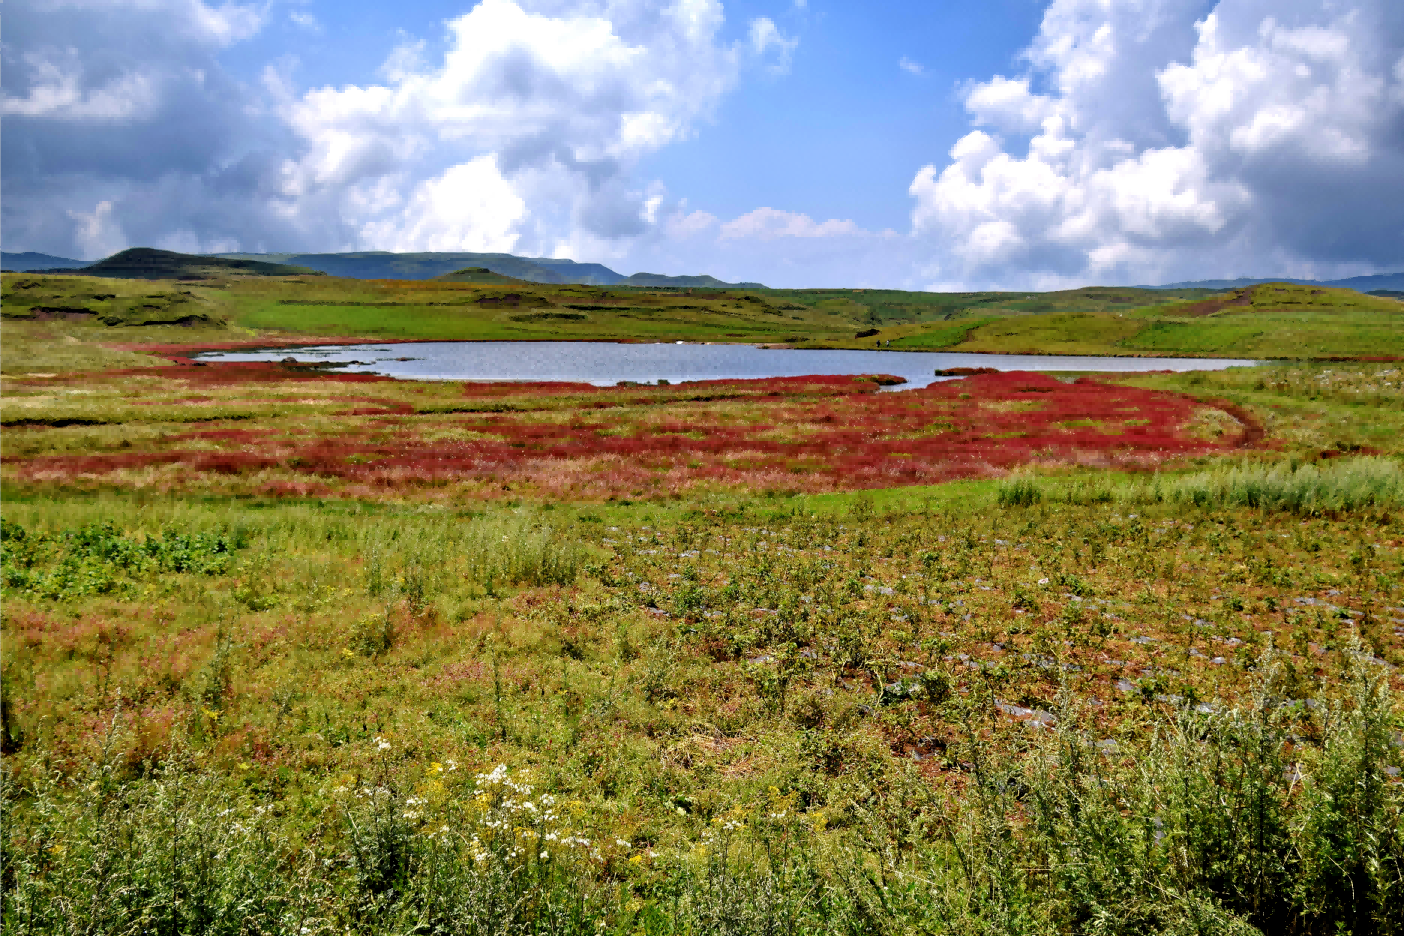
(1326, 488)
(1331, 487)
(1222, 824)
(521, 549)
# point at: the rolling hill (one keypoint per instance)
(480, 275)
(376, 264)
(1365, 284)
(149, 263)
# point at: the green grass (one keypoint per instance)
(1261, 322)
(1058, 333)
(712, 709)
(1308, 408)
(1271, 337)
(1282, 322)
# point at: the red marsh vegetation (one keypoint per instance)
(792, 434)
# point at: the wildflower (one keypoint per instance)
(636, 859)
(1043, 581)
(381, 744)
(436, 767)
(621, 843)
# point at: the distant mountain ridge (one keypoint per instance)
(1359, 283)
(380, 264)
(28, 260)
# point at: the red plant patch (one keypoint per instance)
(811, 433)
(230, 373)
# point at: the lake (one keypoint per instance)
(604, 363)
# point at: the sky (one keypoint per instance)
(1017, 144)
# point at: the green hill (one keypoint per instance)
(1273, 320)
(380, 264)
(480, 275)
(152, 264)
(657, 279)
(1257, 322)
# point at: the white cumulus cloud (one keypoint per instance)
(1143, 144)
(766, 37)
(772, 223)
(544, 115)
(524, 134)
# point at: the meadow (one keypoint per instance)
(291, 651)
(1269, 322)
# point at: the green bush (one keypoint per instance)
(1018, 492)
(99, 559)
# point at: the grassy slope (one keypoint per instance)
(439, 309)
(1276, 322)
(1259, 322)
(1307, 407)
(1262, 322)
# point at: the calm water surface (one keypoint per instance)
(605, 363)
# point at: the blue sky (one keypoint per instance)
(847, 103)
(1011, 143)
(845, 100)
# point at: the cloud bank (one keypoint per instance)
(1139, 141)
(1142, 144)
(123, 127)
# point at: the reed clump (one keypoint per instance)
(1334, 486)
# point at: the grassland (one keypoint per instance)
(726, 714)
(1287, 322)
(294, 651)
(289, 651)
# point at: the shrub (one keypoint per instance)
(99, 559)
(1018, 492)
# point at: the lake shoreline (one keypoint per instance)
(603, 363)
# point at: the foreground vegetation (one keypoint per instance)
(1022, 706)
